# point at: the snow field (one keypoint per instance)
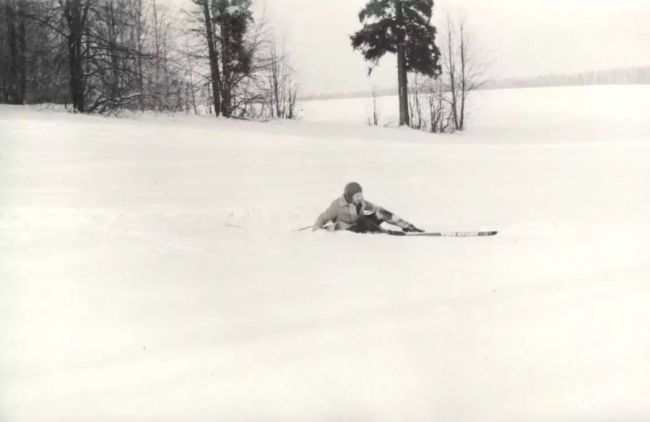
(149, 269)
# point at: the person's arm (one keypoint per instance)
(328, 215)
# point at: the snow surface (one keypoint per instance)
(149, 271)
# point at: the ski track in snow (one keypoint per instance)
(150, 268)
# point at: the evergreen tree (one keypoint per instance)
(226, 24)
(233, 18)
(402, 27)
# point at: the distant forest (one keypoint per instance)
(620, 76)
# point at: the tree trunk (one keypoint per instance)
(226, 89)
(22, 56)
(12, 74)
(75, 14)
(275, 82)
(463, 79)
(214, 60)
(3, 61)
(157, 103)
(140, 47)
(402, 88)
(191, 85)
(76, 74)
(114, 93)
(402, 81)
(16, 82)
(452, 77)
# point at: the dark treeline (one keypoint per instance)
(104, 56)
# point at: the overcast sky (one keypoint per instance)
(518, 38)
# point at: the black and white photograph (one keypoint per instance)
(324, 210)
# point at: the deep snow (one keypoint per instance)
(149, 271)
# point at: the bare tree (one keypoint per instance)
(112, 82)
(472, 72)
(139, 36)
(274, 92)
(282, 89)
(415, 96)
(463, 70)
(166, 86)
(190, 86)
(439, 115)
(445, 97)
(450, 66)
(108, 55)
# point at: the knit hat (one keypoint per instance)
(351, 189)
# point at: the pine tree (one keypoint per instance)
(225, 26)
(402, 27)
(233, 18)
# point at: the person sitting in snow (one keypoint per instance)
(352, 212)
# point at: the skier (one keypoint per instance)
(352, 212)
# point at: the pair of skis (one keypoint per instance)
(441, 234)
(432, 234)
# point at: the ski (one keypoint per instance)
(454, 234)
(429, 234)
